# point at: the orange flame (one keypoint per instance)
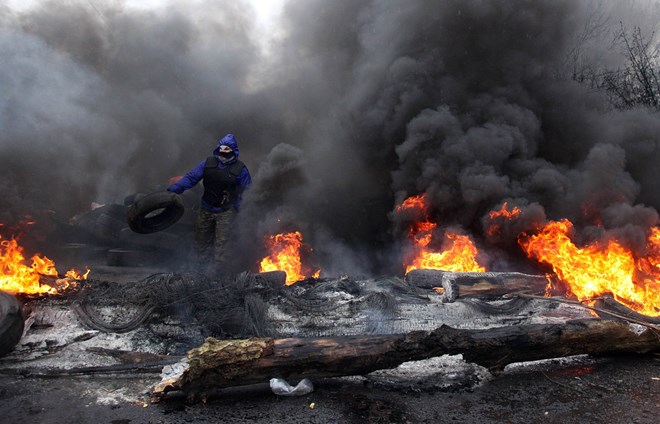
(285, 256)
(651, 263)
(17, 277)
(598, 268)
(459, 253)
(414, 203)
(503, 214)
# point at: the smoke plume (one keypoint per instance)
(355, 107)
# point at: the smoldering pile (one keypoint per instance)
(167, 314)
(155, 325)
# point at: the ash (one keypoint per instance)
(146, 327)
(391, 305)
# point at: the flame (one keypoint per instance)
(505, 214)
(414, 203)
(17, 277)
(459, 255)
(72, 273)
(285, 256)
(459, 252)
(600, 268)
(651, 263)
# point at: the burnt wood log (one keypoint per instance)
(611, 304)
(484, 285)
(225, 363)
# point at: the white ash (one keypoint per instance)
(113, 396)
(350, 318)
(175, 370)
(443, 373)
(637, 328)
(547, 364)
(57, 340)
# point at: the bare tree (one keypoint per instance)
(579, 62)
(637, 81)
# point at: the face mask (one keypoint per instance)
(226, 156)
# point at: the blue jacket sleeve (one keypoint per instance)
(244, 179)
(189, 180)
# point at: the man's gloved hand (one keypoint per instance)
(174, 179)
(173, 187)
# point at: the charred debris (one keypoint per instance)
(203, 334)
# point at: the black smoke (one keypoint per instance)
(359, 105)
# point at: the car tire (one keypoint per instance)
(11, 322)
(155, 212)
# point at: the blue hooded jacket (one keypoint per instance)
(243, 180)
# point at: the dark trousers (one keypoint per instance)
(211, 235)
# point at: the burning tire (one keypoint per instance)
(155, 212)
(11, 322)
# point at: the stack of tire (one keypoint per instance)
(103, 224)
(147, 214)
(126, 233)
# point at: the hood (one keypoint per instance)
(228, 140)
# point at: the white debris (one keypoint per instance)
(280, 387)
(445, 373)
(637, 328)
(175, 370)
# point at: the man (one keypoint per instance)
(224, 178)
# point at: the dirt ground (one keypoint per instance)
(613, 390)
